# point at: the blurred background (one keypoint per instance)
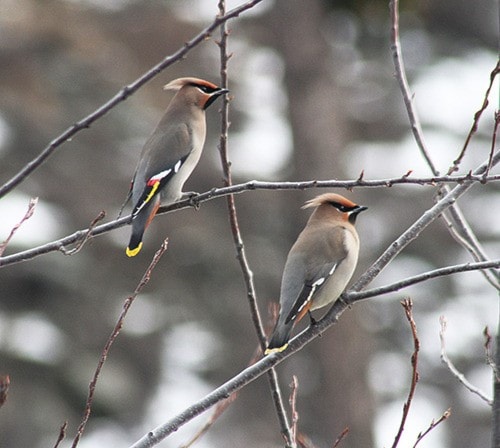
(313, 97)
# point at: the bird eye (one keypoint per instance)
(341, 207)
(205, 89)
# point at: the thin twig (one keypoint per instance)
(303, 441)
(418, 227)
(495, 414)
(233, 217)
(238, 189)
(86, 237)
(490, 360)
(221, 406)
(294, 385)
(114, 334)
(400, 74)
(463, 234)
(122, 95)
(433, 424)
(4, 388)
(341, 437)
(352, 296)
(455, 372)
(238, 239)
(408, 305)
(27, 215)
(62, 434)
(475, 122)
(457, 224)
(224, 404)
(493, 141)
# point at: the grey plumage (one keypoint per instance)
(171, 153)
(319, 264)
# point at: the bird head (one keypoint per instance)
(338, 206)
(195, 90)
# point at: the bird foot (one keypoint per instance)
(341, 300)
(312, 320)
(192, 196)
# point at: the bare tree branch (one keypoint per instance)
(457, 224)
(294, 385)
(493, 139)
(417, 228)
(463, 234)
(408, 306)
(4, 388)
(238, 239)
(114, 334)
(86, 237)
(400, 74)
(475, 122)
(433, 424)
(495, 418)
(259, 368)
(27, 215)
(351, 297)
(62, 434)
(341, 437)
(218, 410)
(122, 95)
(456, 373)
(236, 189)
(489, 355)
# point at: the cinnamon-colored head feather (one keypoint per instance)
(325, 198)
(179, 83)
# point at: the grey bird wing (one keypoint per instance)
(164, 154)
(166, 147)
(306, 273)
(302, 292)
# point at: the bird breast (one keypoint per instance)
(337, 282)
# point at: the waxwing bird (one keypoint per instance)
(319, 264)
(171, 153)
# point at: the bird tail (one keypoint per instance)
(135, 244)
(140, 223)
(279, 338)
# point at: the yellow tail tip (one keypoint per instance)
(133, 252)
(276, 350)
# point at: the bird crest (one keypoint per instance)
(326, 198)
(179, 83)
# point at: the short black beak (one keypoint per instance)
(353, 214)
(214, 96)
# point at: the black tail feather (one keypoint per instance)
(280, 337)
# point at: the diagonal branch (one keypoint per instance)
(455, 372)
(122, 95)
(27, 215)
(62, 434)
(475, 122)
(253, 372)
(417, 228)
(114, 334)
(246, 376)
(457, 224)
(434, 423)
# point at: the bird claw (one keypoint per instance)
(192, 196)
(313, 321)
